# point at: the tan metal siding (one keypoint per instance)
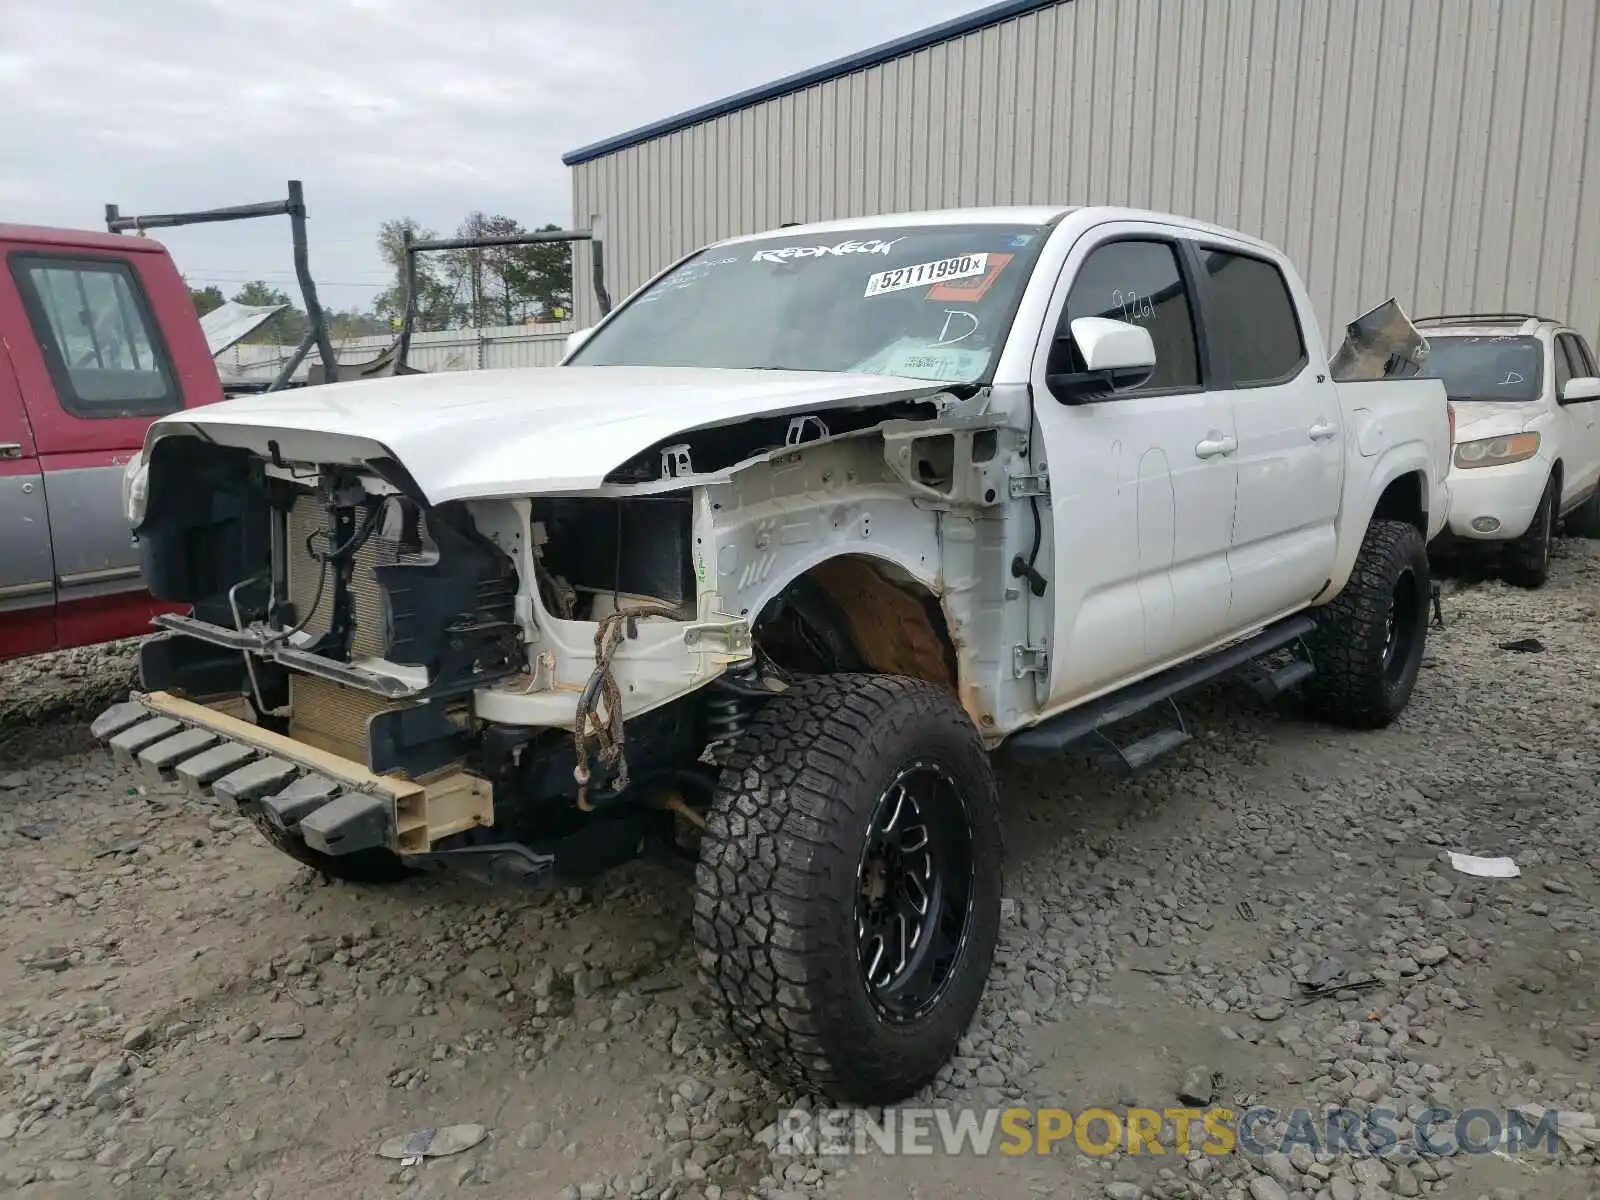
(1446, 152)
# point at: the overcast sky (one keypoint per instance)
(427, 108)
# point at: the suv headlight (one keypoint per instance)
(1497, 451)
(135, 489)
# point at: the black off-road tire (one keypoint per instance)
(1366, 664)
(782, 868)
(1525, 562)
(1584, 521)
(364, 866)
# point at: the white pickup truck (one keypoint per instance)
(760, 575)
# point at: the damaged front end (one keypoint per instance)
(363, 671)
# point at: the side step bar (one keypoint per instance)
(1057, 735)
(336, 806)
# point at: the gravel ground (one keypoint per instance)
(184, 1012)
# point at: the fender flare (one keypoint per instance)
(1408, 458)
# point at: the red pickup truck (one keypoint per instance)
(98, 337)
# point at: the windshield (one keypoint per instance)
(1487, 368)
(927, 302)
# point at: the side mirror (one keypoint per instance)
(1116, 356)
(1580, 389)
(577, 338)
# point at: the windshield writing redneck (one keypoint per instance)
(922, 302)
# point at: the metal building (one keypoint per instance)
(1446, 152)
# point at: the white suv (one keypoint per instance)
(1527, 449)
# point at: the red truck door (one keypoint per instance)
(94, 368)
(27, 575)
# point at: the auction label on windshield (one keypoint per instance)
(962, 266)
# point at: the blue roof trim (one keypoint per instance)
(942, 32)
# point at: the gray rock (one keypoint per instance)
(1280, 1168)
(1432, 956)
(1264, 1187)
(1370, 1173)
(106, 1077)
(1367, 1090)
(1199, 1086)
(284, 1033)
(137, 1037)
(1124, 1191)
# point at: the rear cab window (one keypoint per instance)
(97, 335)
(1252, 327)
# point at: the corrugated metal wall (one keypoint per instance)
(1446, 152)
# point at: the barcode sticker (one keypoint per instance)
(961, 266)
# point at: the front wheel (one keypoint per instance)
(848, 893)
(1527, 560)
(1367, 647)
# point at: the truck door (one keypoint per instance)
(94, 370)
(27, 575)
(1291, 448)
(1141, 482)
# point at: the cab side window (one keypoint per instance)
(1568, 362)
(1582, 354)
(1251, 323)
(1137, 282)
(97, 336)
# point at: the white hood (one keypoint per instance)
(1492, 418)
(483, 434)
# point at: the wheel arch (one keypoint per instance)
(1402, 487)
(893, 616)
(1404, 498)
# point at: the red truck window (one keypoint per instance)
(94, 327)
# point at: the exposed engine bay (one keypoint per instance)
(572, 666)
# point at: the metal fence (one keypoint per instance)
(448, 350)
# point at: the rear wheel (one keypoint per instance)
(848, 898)
(1368, 643)
(1526, 561)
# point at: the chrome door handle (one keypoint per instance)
(10, 450)
(1216, 446)
(1322, 431)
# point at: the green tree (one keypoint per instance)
(286, 327)
(206, 299)
(353, 323)
(507, 284)
(436, 300)
(543, 273)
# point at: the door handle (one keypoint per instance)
(1322, 430)
(10, 450)
(1216, 445)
